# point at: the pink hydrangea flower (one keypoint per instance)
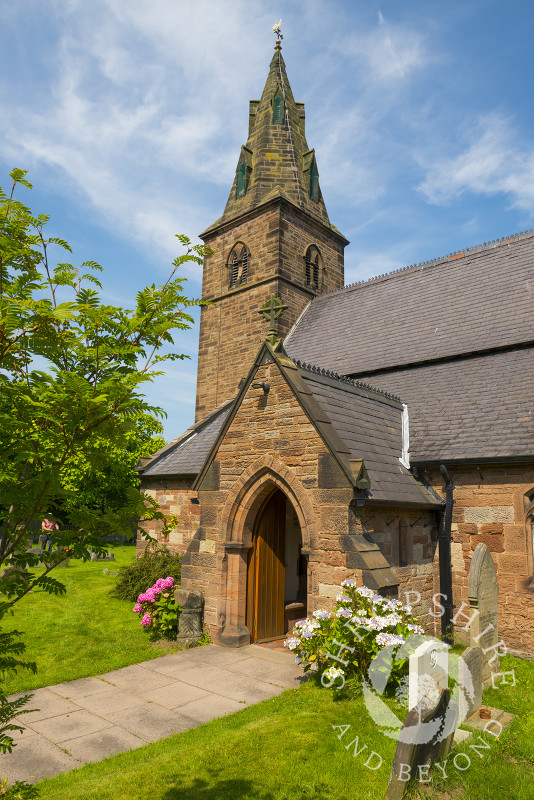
(156, 590)
(137, 608)
(159, 583)
(141, 598)
(150, 596)
(147, 619)
(168, 583)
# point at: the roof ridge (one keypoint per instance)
(430, 262)
(327, 373)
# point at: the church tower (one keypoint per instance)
(274, 237)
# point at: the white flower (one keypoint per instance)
(344, 612)
(393, 619)
(363, 591)
(333, 672)
(385, 639)
(415, 628)
(342, 598)
(298, 659)
(390, 605)
(321, 614)
(292, 643)
(348, 582)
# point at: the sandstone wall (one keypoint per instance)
(490, 507)
(175, 497)
(231, 330)
(408, 540)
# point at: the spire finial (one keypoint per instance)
(278, 34)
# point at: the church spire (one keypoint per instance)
(276, 160)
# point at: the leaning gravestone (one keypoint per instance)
(425, 737)
(470, 681)
(429, 673)
(482, 593)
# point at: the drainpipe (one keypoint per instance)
(445, 570)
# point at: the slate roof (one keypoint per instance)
(454, 338)
(477, 300)
(187, 454)
(470, 409)
(370, 424)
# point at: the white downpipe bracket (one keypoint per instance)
(405, 457)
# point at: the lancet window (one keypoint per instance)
(238, 264)
(312, 264)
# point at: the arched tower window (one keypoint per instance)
(241, 179)
(314, 181)
(312, 261)
(278, 109)
(237, 264)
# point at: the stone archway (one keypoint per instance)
(239, 517)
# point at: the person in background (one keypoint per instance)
(47, 526)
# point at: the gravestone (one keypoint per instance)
(102, 556)
(429, 673)
(191, 617)
(482, 593)
(425, 737)
(470, 681)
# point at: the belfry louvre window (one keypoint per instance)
(238, 264)
(313, 261)
(278, 110)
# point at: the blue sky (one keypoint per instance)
(130, 115)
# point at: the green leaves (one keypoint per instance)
(73, 418)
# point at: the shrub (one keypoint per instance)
(157, 560)
(341, 645)
(20, 790)
(158, 610)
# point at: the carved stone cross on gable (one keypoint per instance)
(272, 309)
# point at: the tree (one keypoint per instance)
(105, 482)
(72, 370)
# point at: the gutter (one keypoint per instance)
(444, 549)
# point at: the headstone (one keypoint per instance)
(470, 681)
(191, 618)
(429, 673)
(482, 593)
(102, 556)
(426, 736)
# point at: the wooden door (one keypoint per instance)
(266, 572)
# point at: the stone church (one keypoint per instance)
(378, 431)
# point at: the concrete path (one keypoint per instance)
(93, 718)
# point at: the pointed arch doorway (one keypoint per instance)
(276, 571)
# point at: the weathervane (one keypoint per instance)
(277, 31)
(271, 310)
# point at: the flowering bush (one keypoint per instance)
(158, 608)
(341, 644)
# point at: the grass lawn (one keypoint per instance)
(83, 632)
(286, 748)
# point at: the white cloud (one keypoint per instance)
(389, 52)
(492, 162)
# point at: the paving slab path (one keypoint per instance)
(92, 718)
